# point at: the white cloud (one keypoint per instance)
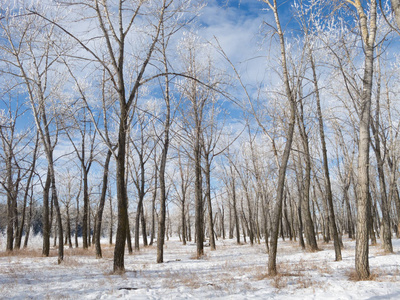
(238, 31)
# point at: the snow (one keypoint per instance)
(231, 272)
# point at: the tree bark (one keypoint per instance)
(199, 225)
(58, 212)
(46, 215)
(385, 207)
(122, 198)
(85, 207)
(163, 163)
(29, 221)
(272, 271)
(26, 194)
(396, 10)
(235, 213)
(10, 205)
(305, 199)
(77, 217)
(363, 202)
(328, 187)
(153, 205)
(68, 228)
(141, 194)
(100, 209)
(111, 232)
(209, 204)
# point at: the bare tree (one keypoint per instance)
(368, 28)
(230, 184)
(36, 70)
(210, 138)
(67, 192)
(100, 208)
(198, 94)
(182, 190)
(376, 145)
(289, 136)
(85, 154)
(306, 17)
(10, 140)
(141, 140)
(116, 30)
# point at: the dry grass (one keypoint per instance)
(232, 273)
(71, 262)
(191, 280)
(27, 253)
(297, 274)
(203, 257)
(173, 279)
(107, 252)
(279, 281)
(148, 248)
(80, 252)
(377, 274)
(353, 276)
(381, 252)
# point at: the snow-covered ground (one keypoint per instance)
(231, 272)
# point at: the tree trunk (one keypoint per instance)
(235, 214)
(46, 216)
(209, 204)
(183, 220)
(305, 199)
(373, 218)
(10, 205)
(141, 193)
(85, 208)
(265, 215)
(230, 220)
(144, 231)
(223, 223)
(100, 209)
(29, 221)
(167, 124)
(301, 239)
(139, 212)
(350, 223)
(111, 232)
(77, 218)
(26, 194)
(189, 226)
(328, 188)
(58, 212)
(20, 230)
(122, 198)
(285, 214)
(363, 202)
(68, 229)
(387, 233)
(285, 156)
(153, 207)
(163, 192)
(396, 10)
(128, 237)
(198, 196)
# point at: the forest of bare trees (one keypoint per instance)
(120, 121)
